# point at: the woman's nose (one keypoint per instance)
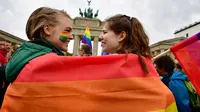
(100, 37)
(71, 36)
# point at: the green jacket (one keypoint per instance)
(27, 52)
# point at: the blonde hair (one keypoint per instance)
(41, 17)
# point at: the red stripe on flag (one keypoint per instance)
(185, 43)
(46, 68)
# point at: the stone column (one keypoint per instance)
(76, 45)
(95, 46)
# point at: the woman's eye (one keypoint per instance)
(104, 32)
(67, 30)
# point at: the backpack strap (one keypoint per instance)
(194, 97)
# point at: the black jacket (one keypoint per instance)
(3, 83)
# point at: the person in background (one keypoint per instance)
(174, 80)
(85, 50)
(14, 48)
(5, 48)
(179, 68)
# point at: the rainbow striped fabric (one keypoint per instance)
(87, 38)
(188, 55)
(115, 83)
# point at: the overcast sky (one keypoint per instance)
(160, 17)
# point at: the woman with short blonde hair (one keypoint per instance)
(49, 31)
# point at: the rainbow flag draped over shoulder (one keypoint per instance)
(87, 38)
(188, 55)
(115, 83)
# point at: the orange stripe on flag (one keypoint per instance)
(113, 95)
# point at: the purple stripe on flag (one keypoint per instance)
(193, 50)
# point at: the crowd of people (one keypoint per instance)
(6, 51)
(121, 34)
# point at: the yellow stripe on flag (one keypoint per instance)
(171, 108)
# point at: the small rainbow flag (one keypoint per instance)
(87, 38)
(64, 36)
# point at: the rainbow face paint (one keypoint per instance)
(64, 36)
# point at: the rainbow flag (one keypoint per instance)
(188, 55)
(116, 83)
(87, 38)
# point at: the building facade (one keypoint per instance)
(189, 30)
(15, 41)
(180, 35)
(164, 45)
(4, 36)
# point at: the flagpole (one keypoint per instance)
(161, 54)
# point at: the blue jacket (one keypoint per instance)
(178, 88)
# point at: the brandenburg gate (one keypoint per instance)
(79, 26)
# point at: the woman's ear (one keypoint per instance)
(47, 29)
(122, 36)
